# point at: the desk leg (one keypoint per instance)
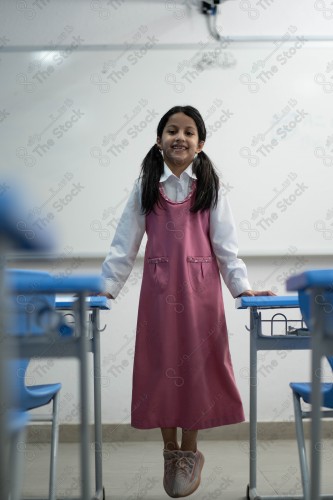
(97, 404)
(84, 394)
(253, 404)
(316, 398)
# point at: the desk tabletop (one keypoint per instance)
(45, 283)
(100, 302)
(311, 279)
(267, 302)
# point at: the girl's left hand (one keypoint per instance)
(254, 293)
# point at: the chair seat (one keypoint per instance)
(303, 389)
(39, 395)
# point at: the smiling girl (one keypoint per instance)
(182, 375)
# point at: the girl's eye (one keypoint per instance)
(174, 131)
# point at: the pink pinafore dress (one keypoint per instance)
(182, 375)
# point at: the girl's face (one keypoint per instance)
(179, 141)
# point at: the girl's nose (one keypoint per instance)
(180, 135)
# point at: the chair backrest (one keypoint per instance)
(326, 301)
(17, 386)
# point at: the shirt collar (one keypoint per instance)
(168, 173)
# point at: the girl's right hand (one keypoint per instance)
(255, 293)
(107, 295)
(104, 294)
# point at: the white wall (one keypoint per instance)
(39, 22)
(94, 158)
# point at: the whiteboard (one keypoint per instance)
(76, 125)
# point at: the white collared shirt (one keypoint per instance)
(125, 245)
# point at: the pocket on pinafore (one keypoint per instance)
(159, 271)
(200, 271)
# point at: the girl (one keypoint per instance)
(182, 375)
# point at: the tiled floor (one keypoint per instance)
(134, 471)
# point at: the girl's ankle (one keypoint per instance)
(171, 447)
(191, 448)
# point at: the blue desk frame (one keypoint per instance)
(317, 283)
(94, 306)
(260, 342)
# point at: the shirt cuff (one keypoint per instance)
(238, 286)
(112, 287)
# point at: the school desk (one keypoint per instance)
(63, 346)
(319, 284)
(289, 340)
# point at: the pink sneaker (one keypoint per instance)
(170, 460)
(188, 473)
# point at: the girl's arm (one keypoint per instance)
(255, 293)
(125, 245)
(225, 245)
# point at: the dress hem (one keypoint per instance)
(202, 426)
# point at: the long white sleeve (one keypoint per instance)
(225, 245)
(125, 245)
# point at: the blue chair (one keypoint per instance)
(33, 315)
(302, 392)
(37, 396)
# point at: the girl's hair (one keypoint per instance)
(153, 166)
